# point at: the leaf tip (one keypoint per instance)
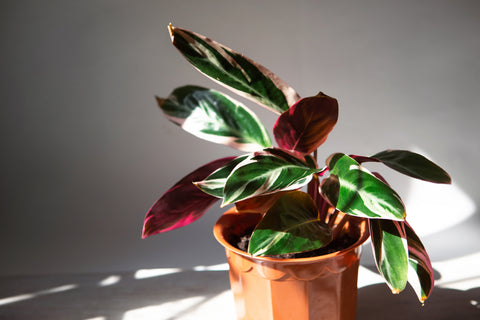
(160, 101)
(171, 29)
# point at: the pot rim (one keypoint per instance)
(218, 227)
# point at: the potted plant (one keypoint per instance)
(278, 238)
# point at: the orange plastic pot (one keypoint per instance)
(322, 287)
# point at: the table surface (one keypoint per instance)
(203, 293)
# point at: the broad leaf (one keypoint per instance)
(233, 70)
(266, 172)
(182, 204)
(215, 182)
(421, 272)
(413, 165)
(306, 125)
(360, 193)
(291, 225)
(213, 116)
(390, 250)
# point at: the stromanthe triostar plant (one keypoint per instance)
(269, 179)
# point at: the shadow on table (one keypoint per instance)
(377, 302)
(83, 296)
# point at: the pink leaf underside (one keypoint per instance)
(183, 203)
(306, 125)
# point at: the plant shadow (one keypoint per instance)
(377, 302)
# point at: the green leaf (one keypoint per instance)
(306, 125)
(413, 165)
(390, 251)
(421, 271)
(360, 192)
(215, 182)
(291, 225)
(266, 172)
(233, 70)
(213, 116)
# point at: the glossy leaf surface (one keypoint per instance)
(265, 172)
(291, 225)
(215, 182)
(360, 193)
(414, 165)
(306, 125)
(421, 275)
(213, 116)
(182, 204)
(233, 70)
(390, 251)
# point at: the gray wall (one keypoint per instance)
(85, 150)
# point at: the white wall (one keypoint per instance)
(85, 150)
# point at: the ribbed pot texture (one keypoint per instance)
(322, 287)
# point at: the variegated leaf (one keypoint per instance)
(306, 125)
(215, 182)
(233, 70)
(291, 225)
(213, 116)
(390, 250)
(420, 275)
(266, 172)
(414, 165)
(360, 193)
(182, 204)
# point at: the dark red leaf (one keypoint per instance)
(306, 125)
(183, 203)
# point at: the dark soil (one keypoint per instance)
(345, 241)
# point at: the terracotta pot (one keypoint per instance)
(322, 287)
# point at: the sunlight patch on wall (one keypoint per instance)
(430, 206)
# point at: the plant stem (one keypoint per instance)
(338, 228)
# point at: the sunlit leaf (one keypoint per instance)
(213, 116)
(215, 182)
(306, 125)
(266, 172)
(421, 271)
(182, 204)
(291, 225)
(233, 70)
(412, 164)
(390, 250)
(360, 193)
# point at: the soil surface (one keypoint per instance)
(241, 242)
